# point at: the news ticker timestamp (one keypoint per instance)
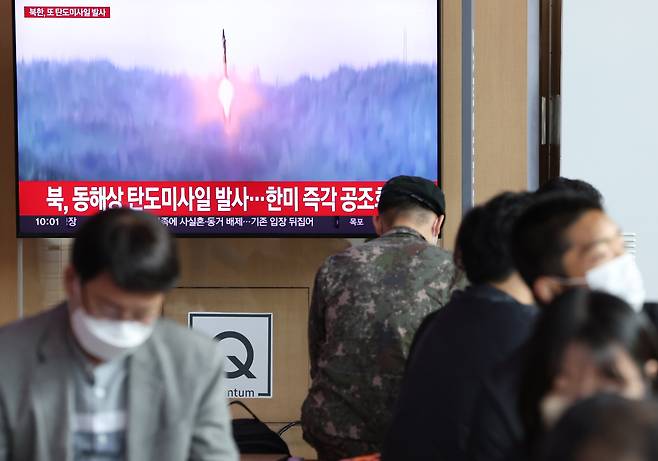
(47, 222)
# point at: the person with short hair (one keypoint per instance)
(583, 188)
(366, 306)
(566, 239)
(102, 375)
(563, 240)
(478, 328)
(578, 186)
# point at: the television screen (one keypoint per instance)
(222, 117)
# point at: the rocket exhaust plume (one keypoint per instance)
(226, 91)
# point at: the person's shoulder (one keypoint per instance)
(386, 252)
(409, 245)
(415, 246)
(355, 251)
(20, 340)
(351, 256)
(438, 326)
(182, 341)
(436, 263)
(173, 333)
(437, 253)
(496, 306)
(26, 331)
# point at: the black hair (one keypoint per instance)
(596, 319)
(538, 239)
(605, 427)
(133, 247)
(562, 184)
(482, 244)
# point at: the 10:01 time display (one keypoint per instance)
(47, 221)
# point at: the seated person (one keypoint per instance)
(460, 343)
(562, 240)
(605, 427)
(584, 342)
(367, 303)
(584, 188)
(102, 376)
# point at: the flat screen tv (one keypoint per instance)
(222, 117)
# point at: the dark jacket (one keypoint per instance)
(477, 329)
(498, 433)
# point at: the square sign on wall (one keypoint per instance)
(245, 340)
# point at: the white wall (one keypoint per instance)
(610, 113)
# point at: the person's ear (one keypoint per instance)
(437, 224)
(379, 225)
(546, 288)
(651, 369)
(71, 286)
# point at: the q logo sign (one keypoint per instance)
(245, 342)
(241, 368)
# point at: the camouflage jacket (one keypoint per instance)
(367, 303)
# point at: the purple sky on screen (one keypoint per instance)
(282, 39)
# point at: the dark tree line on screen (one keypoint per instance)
(95, 121)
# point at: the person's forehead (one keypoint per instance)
(103, 283)
(104, 288)
(593, 226)
(577, 353)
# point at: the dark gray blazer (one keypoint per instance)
(176, 405)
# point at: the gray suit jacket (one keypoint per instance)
(176, 405)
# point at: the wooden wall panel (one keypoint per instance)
(8, 242)
(270, 262)
(501, 50)
(44, 261)
(289, 307)
(291, 379)
(451, 113)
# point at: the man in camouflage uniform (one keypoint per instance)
(367, 303)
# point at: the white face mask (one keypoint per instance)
(620, 277)
(108, 339)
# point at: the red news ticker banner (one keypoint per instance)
(93, 12)
(254, 198)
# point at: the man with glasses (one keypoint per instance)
(102, 376)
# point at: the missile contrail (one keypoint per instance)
(224, 45)
(225, 91)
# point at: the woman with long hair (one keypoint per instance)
(584, 343)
